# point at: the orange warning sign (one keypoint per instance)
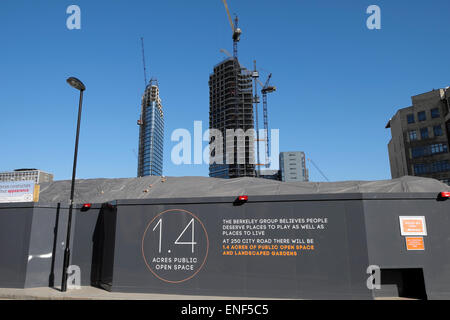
(415, 243)
(413, 226)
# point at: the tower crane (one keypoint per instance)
(234, 27)
(266, 88)
(255, 76)
(141, 121)
(143, 60)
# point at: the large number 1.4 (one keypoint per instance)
(192, 242)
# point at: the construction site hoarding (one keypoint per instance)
(308, 246)
(299, 246)
(31, 244)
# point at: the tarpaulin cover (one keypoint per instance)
(103, 190)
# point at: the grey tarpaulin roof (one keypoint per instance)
(103, 190)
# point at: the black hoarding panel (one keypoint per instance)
(31, 244)
(86, 222)
(290, 249)
(15, 226)
(428, 252)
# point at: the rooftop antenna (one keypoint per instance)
(143, 61)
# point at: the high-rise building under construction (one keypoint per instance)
(231, 109)
(151, 133)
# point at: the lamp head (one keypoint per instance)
(76, 83)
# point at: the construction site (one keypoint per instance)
(151, 128)
(232, 234)
(243, 237)
(233, 96)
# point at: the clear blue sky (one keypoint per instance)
(338, 82)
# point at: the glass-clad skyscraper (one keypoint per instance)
(151, 133)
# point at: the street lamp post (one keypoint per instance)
(77, 84)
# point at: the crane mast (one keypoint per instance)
(266, 128)
(255, 76)
(266, 88)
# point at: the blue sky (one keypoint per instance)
(338, 82)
